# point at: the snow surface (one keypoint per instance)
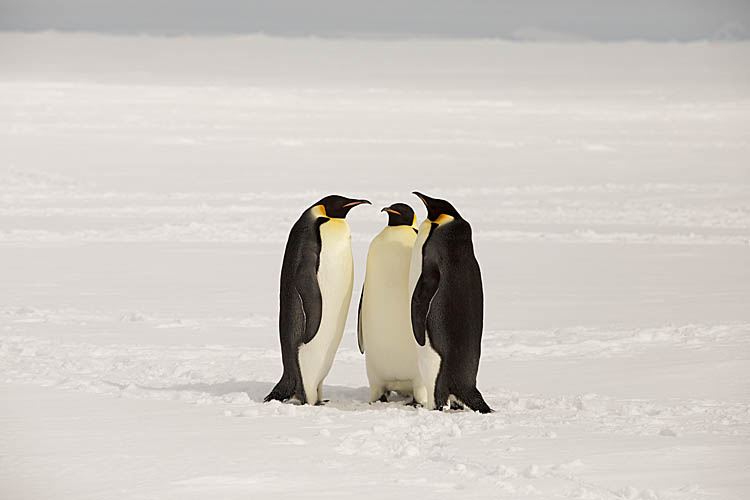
(146, 189)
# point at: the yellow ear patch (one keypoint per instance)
(443, 219)
(319, 211)
(414, 222)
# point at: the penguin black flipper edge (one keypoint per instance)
(360, 339)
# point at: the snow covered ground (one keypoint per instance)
(146, 189)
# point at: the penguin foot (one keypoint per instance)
(381, 399)
(322, 402)
(413, 403)
(474, 400)
(276, 397)
(282, 391)
(455, 405)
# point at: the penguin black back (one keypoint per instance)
(301, 261)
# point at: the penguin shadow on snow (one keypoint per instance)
(254, 390)
(338, 396)
(345, 398)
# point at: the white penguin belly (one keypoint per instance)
(390, 348)
(429, 366)
(335, 276)
(428, 359)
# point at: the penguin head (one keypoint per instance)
(400, 214)
(437, 207)
(336, 207)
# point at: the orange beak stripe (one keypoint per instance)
(353, 203)
(392, 211)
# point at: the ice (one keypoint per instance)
(147, 186)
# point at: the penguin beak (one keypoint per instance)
(431, 215)
(357, 202)
(389, 209)
(421, 197)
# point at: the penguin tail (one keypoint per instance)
(472, 398)
(283, 390)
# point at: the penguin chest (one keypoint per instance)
(390, 349)
(335, 275)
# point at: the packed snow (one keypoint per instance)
(146, 190)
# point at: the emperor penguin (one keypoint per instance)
(383, 327)
(447, 307)
(316, 289)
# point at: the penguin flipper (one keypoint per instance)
(312, 302)
(425, 290)
(360, 338)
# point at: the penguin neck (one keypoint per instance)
(425, 227)
(334, 228)
(398, 232)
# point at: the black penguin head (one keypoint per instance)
(437, 207)
(400, 214)
(336, 207)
